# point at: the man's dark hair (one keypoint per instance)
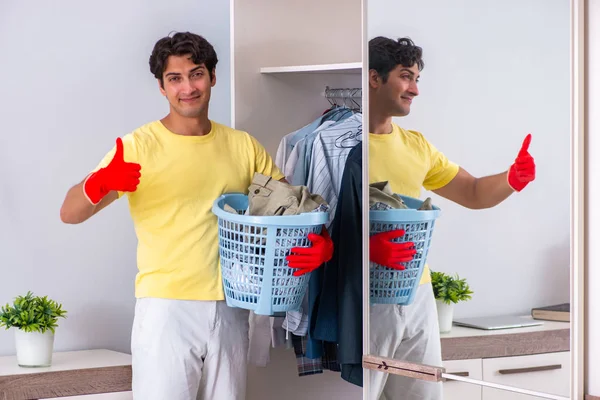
(385, 54)
(180, 44)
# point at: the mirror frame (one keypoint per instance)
(365, 194)
(577, 198)
(577, 256)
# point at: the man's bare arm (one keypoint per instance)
(76, 208)
(476, 193)
(489, 191)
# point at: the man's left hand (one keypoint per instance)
(523, 170)
(307, 259)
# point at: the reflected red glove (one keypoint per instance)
(384, 252)
(307, 259)
(523, 170)
(118, 175)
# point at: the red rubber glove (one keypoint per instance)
(384, 252)
(523, 170)
(307, 259)
(118, 175)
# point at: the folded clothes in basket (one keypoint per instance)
(269, 197)
(381, 197)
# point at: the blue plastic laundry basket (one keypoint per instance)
(390, 286)
(255, 273)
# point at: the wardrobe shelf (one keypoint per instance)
(339, 68)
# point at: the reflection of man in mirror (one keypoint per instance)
(409, 162)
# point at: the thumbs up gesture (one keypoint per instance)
(523, 170)
(117, 175)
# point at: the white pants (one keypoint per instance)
(188, 350)
(408, 333)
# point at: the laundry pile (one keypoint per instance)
(382, 198)
(246, 251)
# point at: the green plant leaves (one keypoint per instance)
(32, 314)
(450, 288)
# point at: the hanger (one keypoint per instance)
(346, 96)
(340, 142)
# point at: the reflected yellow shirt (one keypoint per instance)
(408, 162)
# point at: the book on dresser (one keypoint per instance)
(557, 312)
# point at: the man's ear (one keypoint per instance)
(375, 80)
(161, 88)
(213, 81)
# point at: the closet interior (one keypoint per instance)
(296, 86)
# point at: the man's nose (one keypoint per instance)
(414, 89)
(188, 87)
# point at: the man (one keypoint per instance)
(186, 343)
(408, 162)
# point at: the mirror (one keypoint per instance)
(490, 75)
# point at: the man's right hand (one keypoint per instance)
(118, 175)
(384, 252)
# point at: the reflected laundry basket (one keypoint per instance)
(390, 286)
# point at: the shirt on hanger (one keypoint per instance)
(289, 141)
(297, 159)
(331, 148)
(338, 307)
(301, 172)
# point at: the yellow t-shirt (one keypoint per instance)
(408, 162)
(177, 254)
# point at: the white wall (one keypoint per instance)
(592, 288)
(494, 72)
(75, 76)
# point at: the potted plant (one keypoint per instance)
(448, 290)
(36, 319)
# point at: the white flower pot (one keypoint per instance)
(445, 315)
(34, 349)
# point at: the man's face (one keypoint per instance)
(187, 86)
(396, 95)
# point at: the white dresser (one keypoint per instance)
(535, 358)
(91, 374)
